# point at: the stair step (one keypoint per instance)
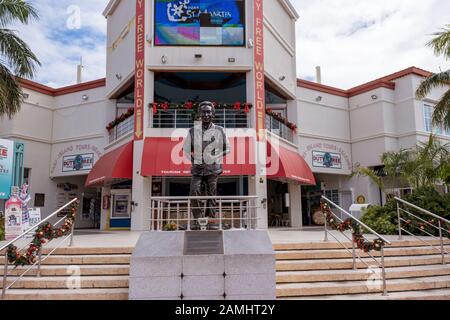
(361, 287)
(61, 270)
(86, 250)
(432, 294)
(339, 254)
(336, 264)
(336, 245)
(84, 259)
(68, 282)
(67, 294)
(360, 275)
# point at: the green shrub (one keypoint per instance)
(379, 220)
(384, 219)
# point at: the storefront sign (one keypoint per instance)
(139, 70)
(6, 167)
(326, 160)
(68, 152)
(259, 70)
(80, 162)
(325, 147)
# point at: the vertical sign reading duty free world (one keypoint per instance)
(139, 71)
(259, 70)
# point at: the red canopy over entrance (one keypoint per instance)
(284, 162)
(163, 157)
(117, 164)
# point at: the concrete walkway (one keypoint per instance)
(94, 238)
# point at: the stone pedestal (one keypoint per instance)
(162, 269)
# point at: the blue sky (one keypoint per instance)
(354, 41)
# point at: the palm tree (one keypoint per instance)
(16, 59)
(441, 46)
(425, 165)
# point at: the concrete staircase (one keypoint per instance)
(103, 275)
(324, 271)
(304, 271)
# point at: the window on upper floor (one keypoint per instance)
(428, 121)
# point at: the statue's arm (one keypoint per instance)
(226, 144)
(187, 146)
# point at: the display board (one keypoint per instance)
(200, 22)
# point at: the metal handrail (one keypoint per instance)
(354, 253)
(422, 210)
(179, 210)
(38, 225)
(40, 259)
(431, 214)
(357, 220)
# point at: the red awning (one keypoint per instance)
(287, 163)
(164, 157)
(117, 164)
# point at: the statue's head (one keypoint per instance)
(207, 112)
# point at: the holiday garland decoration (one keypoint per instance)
(352, 225)
(120, 119)
(43, 234)
(155, 106)
(280, 118)
(422, 226)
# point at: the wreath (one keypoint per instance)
(352, 225)
(43, 234)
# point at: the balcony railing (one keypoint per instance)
(174, 118)
(279, 128)
(122, 129)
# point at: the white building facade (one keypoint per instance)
(127, 164)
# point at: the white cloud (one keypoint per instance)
(61, 36)
(356, 41)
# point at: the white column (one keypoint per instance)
(295, 209)
(105, 213)
(141, 192)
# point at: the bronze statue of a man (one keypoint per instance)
(205, 146)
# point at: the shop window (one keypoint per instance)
(333, 195)
(181, 87)
(428, 122)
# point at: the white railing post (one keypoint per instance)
(400, 237)
(441, 238)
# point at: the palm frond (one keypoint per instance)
(437, 80)
(441, 42)
(441, 114)
(18, 55)
(16, 10)
(11, 95)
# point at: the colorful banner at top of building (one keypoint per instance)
(6, 167)
(139, 71)
(260, 101)
(200, 22)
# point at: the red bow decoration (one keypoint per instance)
(155, 108)
(237, 106)
(188, 105)
(247, 108)
(165, 106)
